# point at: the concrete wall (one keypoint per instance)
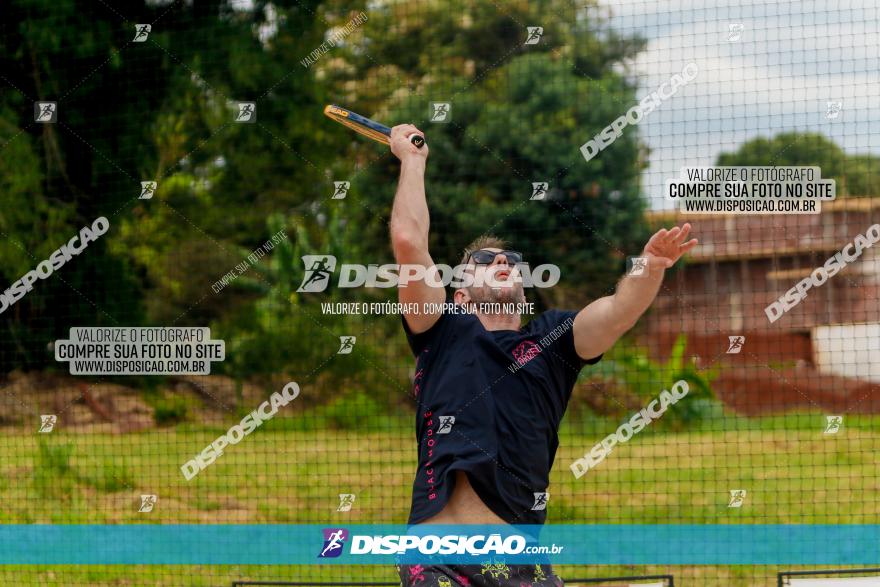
(850, 350)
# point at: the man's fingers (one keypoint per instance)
(676, 233)
(666, 246)
(403, 129)
(658, 237)
(405, 132)
(688, 245)
(684, 232)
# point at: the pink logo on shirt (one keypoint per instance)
(525, 352)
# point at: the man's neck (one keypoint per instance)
(500, 321)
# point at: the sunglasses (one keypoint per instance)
(486, 257)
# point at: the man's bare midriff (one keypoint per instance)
(464, 507)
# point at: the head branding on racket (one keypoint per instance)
(366, 126)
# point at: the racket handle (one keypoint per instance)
(417, 140)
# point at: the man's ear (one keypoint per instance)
(460, 296)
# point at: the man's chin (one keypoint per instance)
(500, 295)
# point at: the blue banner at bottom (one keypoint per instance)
(280, 544)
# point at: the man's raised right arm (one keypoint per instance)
(409, 227)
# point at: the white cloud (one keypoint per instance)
(792, 58)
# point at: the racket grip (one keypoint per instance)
(417, 140)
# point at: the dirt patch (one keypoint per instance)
(112, 407)
(604, 398)
(751, 391)
(25, 396)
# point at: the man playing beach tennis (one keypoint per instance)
(490, 393)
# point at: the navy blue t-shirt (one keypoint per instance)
(507, 391)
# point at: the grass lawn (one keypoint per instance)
(286, 474)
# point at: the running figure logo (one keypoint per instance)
(141, 32)
(539, 190)
(45, 112)
(832, 110)
(736, 344)
(147, 503)
(346, 500)
(334, 539)
(440, 112)
(446, 423)
(247, 112)
(541, 501)
(346, 345)
(319, 268)
(833, 424)
(737, 498)
(638, 267)
(734, 31)
(148, 188)
(534, 34)
(47, 422)
(340, 189)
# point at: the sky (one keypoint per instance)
(790, 60)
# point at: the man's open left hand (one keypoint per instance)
(666, 246)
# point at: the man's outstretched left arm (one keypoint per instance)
(598, 326)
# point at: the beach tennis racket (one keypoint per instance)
(365, 126)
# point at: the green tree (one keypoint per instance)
(153, 110)
(856, 175)
(519, 115)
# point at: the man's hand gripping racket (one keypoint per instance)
(403, 142)
(379, 132)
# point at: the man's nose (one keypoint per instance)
(499, 259)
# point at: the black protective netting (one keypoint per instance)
(196, 153)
